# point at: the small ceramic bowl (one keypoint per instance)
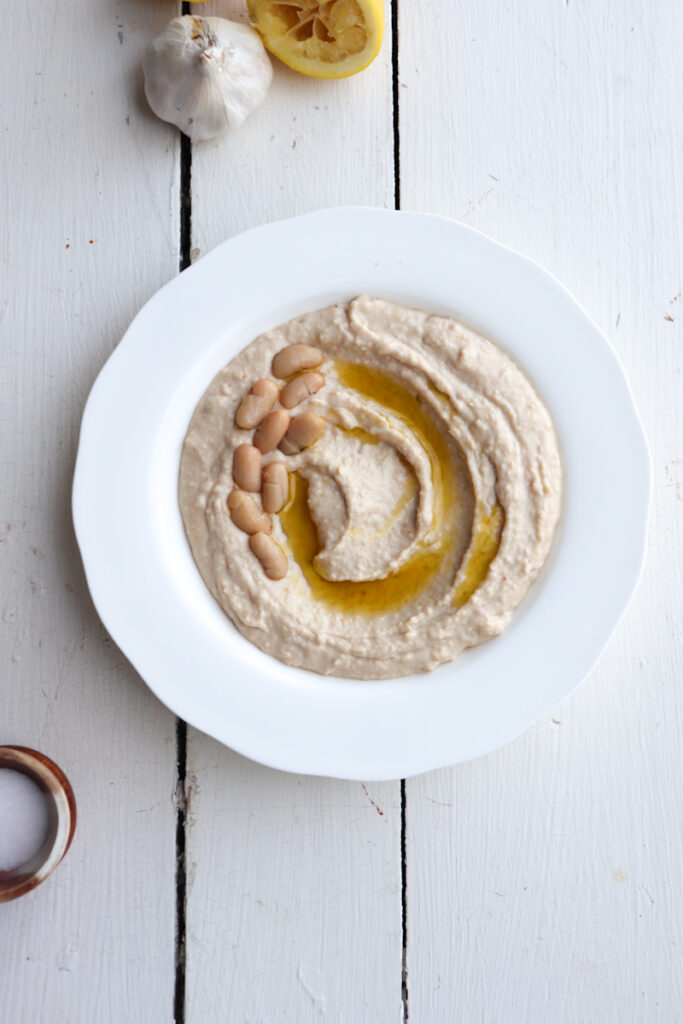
(61, 820)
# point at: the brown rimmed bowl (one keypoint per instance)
(61, 803)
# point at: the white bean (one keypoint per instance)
(300, 388)
(295, 358)
(271, 431)
(246, 515)
(304, 430)
(257, 404)
(275, 487)
(246, 467)
(270, 555)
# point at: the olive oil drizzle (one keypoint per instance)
(374, 597)
(483, 550)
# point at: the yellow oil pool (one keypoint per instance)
(483, 551)
(374, 597)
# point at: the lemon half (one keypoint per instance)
(332, 39)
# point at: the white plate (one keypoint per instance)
(152, 599)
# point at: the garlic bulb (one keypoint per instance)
(206, 74)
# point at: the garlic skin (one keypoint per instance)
(205, 75)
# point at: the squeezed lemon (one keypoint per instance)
(320, 38)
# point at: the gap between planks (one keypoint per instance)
(395, 84)
(181, 726)
(181, 873)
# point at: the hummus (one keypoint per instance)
(415, 524)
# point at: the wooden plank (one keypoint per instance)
(310, 145)
(543, 880)
(294, 895)
(294, 902)
(89, 232)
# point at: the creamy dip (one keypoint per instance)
(415, 524)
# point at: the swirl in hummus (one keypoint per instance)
(415, 524)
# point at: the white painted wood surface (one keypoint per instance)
(543, 882)
(294, 897)
(89, 227)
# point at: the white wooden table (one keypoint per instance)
(540, 884)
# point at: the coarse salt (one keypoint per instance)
(24, 819)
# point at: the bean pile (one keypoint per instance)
(273, 429)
